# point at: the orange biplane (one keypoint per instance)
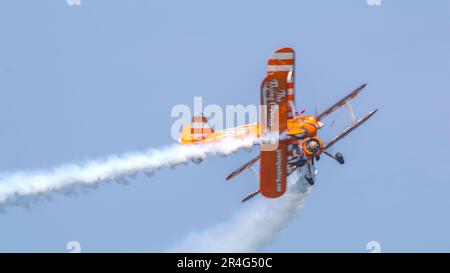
(297, 147)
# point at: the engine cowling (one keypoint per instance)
(312, 146)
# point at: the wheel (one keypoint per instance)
(309, 179)
(197, 160)
(339, 158)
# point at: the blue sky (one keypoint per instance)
(81, 82)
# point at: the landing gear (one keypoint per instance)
(301, 161)
(339, 158)
(309, 175)
(197, 160)
(309, 179)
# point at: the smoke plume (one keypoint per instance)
(21, 187)
(252, 228)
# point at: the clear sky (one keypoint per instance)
(81, 82)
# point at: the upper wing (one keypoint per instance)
(273, 168)
(283, 60)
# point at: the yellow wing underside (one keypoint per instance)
(248, 130)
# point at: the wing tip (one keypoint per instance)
(228, 178)
(250, 196)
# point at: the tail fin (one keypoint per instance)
(198, 130)
(200, 126)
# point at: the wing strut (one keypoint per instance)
(351, 112)
(348, 130)
(341, 102)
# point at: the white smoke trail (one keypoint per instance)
(21, 187)
(252, 228)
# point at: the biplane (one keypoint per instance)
(298, 146)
